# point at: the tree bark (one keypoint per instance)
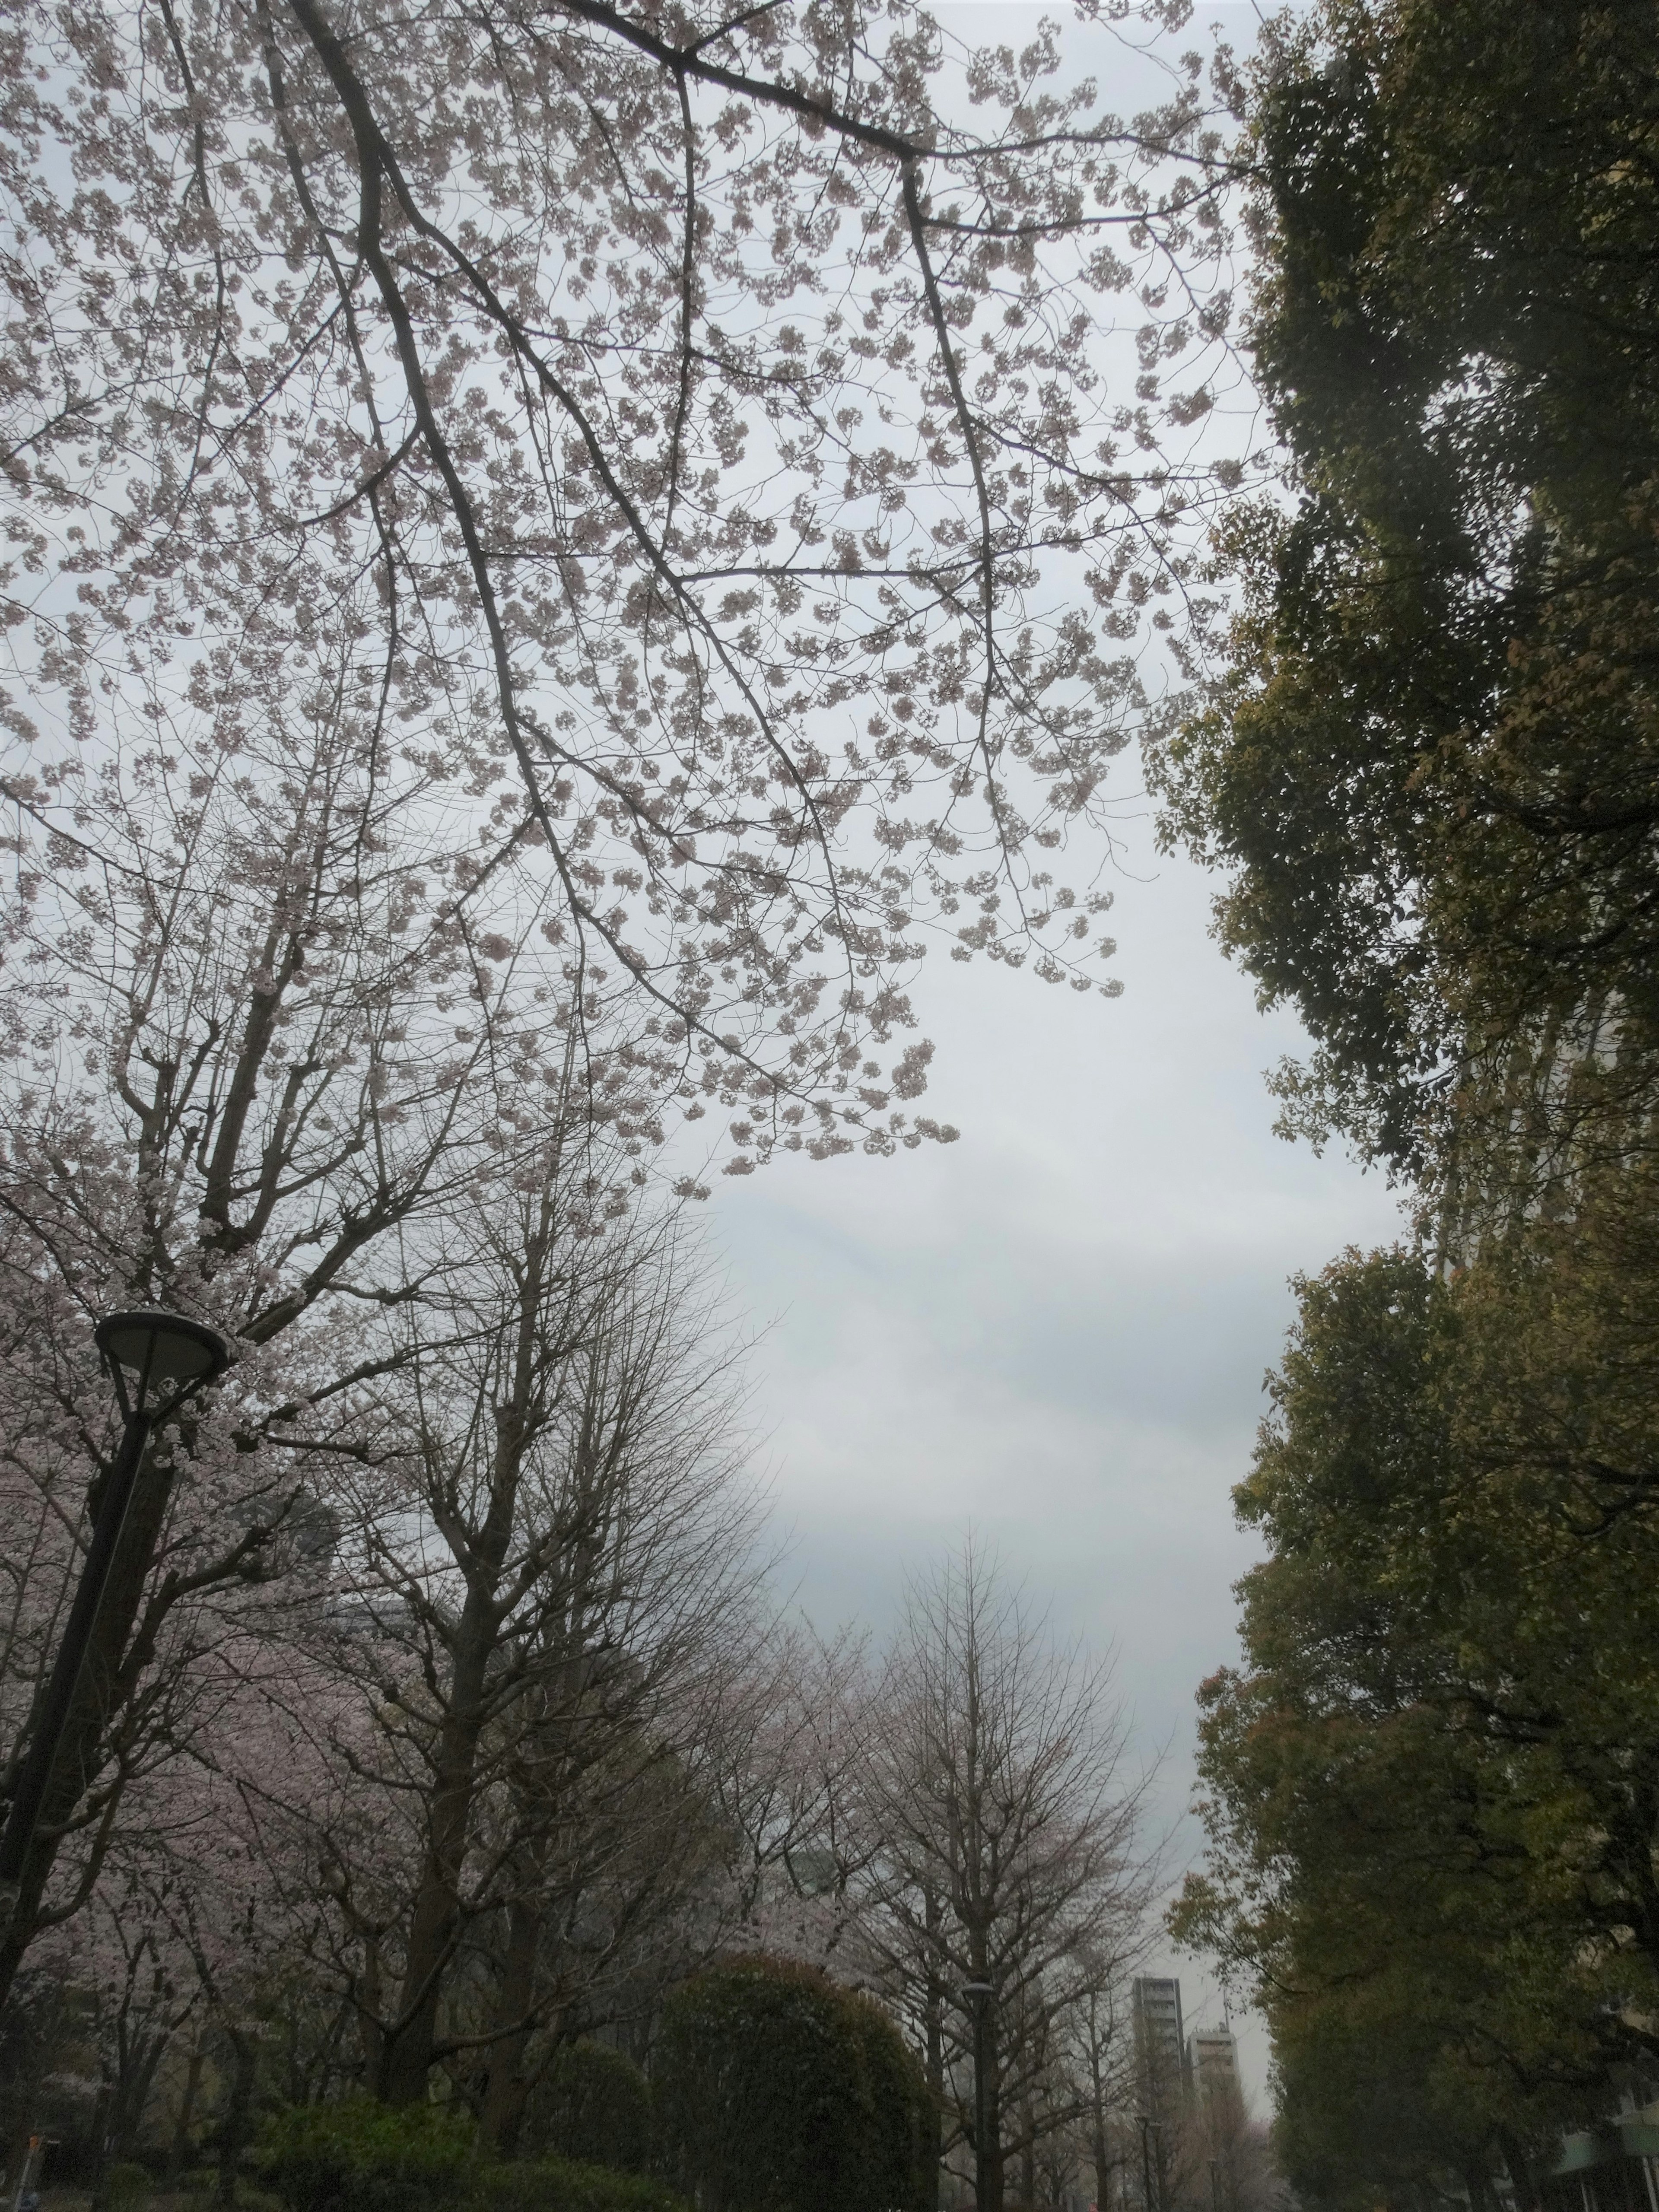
(178, 2149)
(505, 2097)
(411, 2035)
(995, 2162)
(236, 2123)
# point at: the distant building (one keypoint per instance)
(1213, 2060)
(1160, 2036)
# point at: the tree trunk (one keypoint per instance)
(236, 2123)
(412, 2032)
(179, 2150)
(504, 2098)
(1100, 2149)
(994, 2163)
(933, 2143)
(1522, 2172)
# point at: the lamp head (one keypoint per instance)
(160, 1350)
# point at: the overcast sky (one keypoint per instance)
(1055, 1330)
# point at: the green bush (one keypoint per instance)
(124, 2186)
(777, 2092)
(361, 2156)
(901, 2143)
(594, 2107)
(557, 2185)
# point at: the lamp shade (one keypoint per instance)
(164, 1346)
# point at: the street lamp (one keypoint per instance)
(979, 1995)
(170, 1356)
(1149, 2128)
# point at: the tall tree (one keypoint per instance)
(1008, 1852)
(540, 545)
(548, 1564)
(267, 1023)
(1433, 1785)
(1430, 762)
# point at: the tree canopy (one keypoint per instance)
(545, 561)
(1429, 764)
(1432, 1786)
(659, 430)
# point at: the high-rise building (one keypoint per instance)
(1159, 2038)
(1213, 2060)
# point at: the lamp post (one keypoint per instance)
(1149, 2127)
(170, 1357)
(979, 1995)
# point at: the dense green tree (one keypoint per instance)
(1430, 769)
(1431, 764)
(1433, 1783)
(776, 2091)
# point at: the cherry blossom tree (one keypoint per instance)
(788, 1788)
(266, 1031)
(549, 555)
(537, 542)
(692, 437)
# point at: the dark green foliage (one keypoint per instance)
(777, 2092)
(553, 2184)
(361, 2156)
(900, 2146)
(1432, 769)
(1431, 772)
(125, 2185)
(595, 2107)
(1432, 1786)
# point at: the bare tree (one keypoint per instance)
(1102, 2055)
(548, 1548)
(1009, 1856)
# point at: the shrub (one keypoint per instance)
(360, 2157)
(557, 2185)
(594, 2107)
(124, 2186)
(777, 2092)
(902, 2141)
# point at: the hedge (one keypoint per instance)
(361, 2156)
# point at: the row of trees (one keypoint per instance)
(349, 1879)
(1428, 765)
